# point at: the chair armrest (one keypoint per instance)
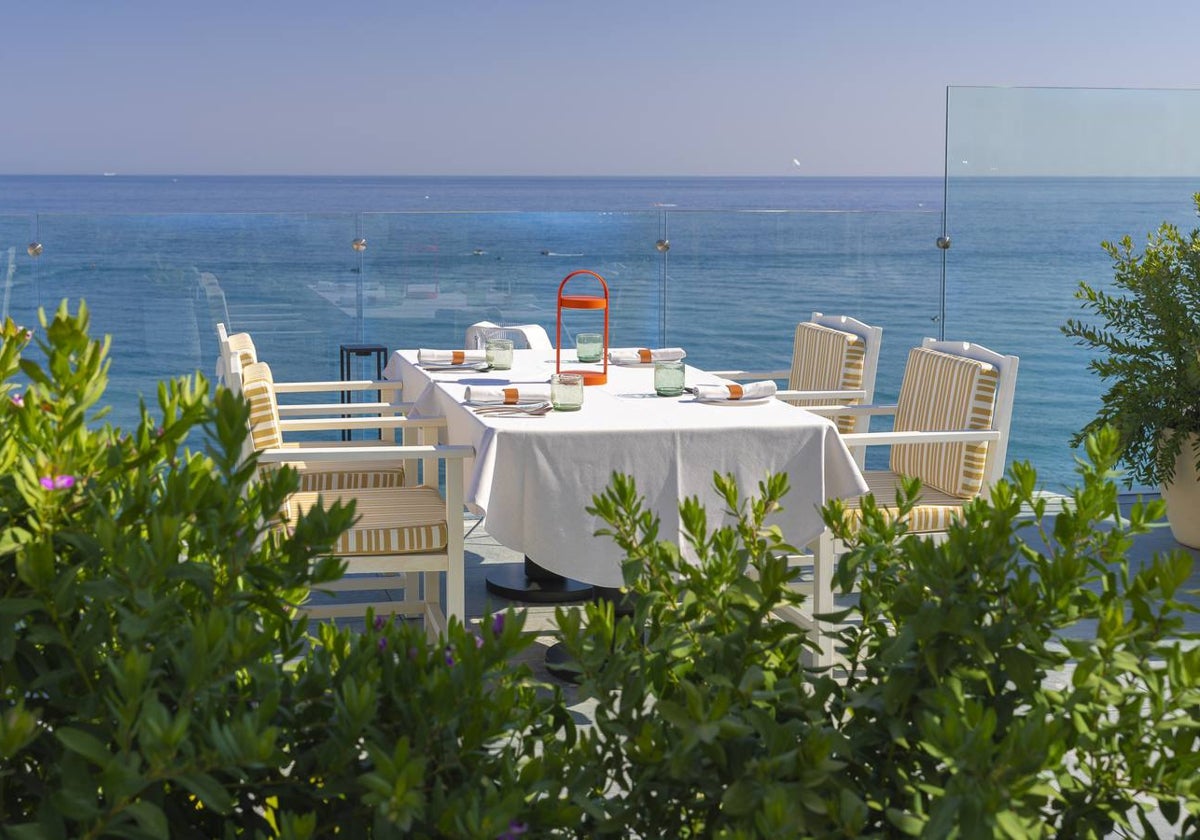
(905, 438)
(355, 454)
(867, 410)
(751, 374)
(333, 424)
(387, 385)
(822, 395)
(326, 409)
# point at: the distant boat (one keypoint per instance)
(109, 174)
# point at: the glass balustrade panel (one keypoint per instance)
(1036, 179)
(159, 284)
(426, 277)
(738, 283)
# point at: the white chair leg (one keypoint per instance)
(456, 605)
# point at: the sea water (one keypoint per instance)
(724, 267)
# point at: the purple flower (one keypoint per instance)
(58, 482)
(18, 400)
(497, 624)
(478, 640)
(413, 653)
(380, 621)
(515, 829)
(450, 655)
(382, 643)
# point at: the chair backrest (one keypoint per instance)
(266, 432)
(836, 352)
(218, 307)
(953, 385)
(237, 351)
(532, 336)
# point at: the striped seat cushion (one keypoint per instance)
(943, 392)
(934, 511)
(825, 359)
(334, 480)
(408, 520)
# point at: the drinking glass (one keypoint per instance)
(589, 347)
(499, 353)
(566, 391)
(668, 378)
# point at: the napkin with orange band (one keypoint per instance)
(450, 357)
(732, 391)
(644, 355)
(526, 392)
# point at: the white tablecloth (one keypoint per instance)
(533, 477)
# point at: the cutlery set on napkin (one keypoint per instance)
(452, 359)
(530, 399)
(733, 392)
(645, 355)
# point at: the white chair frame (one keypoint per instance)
(826, 549)
(534, 335)
(390, 404)
(422, 595)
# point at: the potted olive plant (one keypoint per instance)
(1148, 343)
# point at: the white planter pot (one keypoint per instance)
(1182, 496)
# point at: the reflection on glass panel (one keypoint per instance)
(738, 283)
(1036, 180)
(160, 284)
(18, 276)
(428, 276)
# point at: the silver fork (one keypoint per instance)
(535, 410)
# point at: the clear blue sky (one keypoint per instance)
(553, 87)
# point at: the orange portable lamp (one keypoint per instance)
(576, 301)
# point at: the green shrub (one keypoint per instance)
(154, 679)
(944, 722)
(951, 722)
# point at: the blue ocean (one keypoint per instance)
(723, 267)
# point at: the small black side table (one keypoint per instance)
(348, 354)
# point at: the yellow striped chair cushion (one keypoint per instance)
(241, 346)
(259, 391)
(408, 520)
(825, 359)
(934, 511)
(943, 392)
(335, 480)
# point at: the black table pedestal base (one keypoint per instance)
(534, 584)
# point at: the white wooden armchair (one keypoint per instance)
(834, 361)
(238, 351)
(411, 530)
(950, 431)
(533, 336)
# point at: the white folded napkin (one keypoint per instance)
(450, 357)
(643, 355)
(508, 394)
(732, 391)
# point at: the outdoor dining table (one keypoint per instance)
(533, 477)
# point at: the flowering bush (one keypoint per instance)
(154, 678)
